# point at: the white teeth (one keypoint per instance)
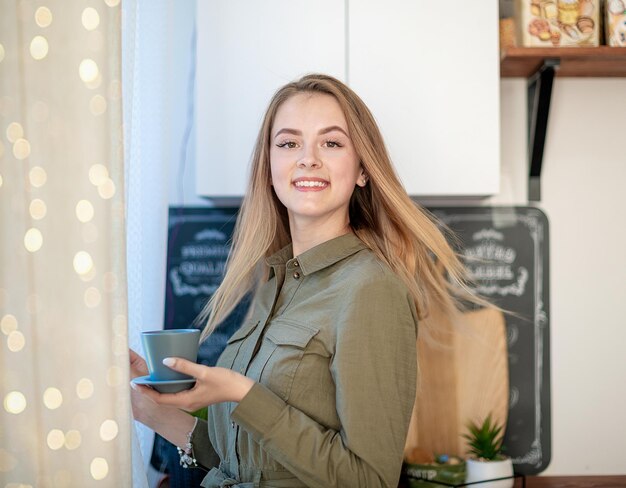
(310, 183)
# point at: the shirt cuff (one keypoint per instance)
(258, 411)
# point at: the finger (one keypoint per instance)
(144, 390)
(180, 400)
(134, 357)
(184, 366)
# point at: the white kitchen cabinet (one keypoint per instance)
(428, 70)
(246, 50)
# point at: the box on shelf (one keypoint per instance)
(558, 23)
(615, 23)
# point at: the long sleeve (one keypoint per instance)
(374, 370)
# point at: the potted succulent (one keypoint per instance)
(486, 461)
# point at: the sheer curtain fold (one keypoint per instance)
(63, 305)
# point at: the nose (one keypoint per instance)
(309, 159)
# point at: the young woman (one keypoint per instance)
(317, 386)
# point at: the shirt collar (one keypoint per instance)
(321, 256)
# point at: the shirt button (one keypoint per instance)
(296, 263)
(296, 275)
(232, 424)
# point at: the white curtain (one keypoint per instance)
(145, 54)
(63, 306)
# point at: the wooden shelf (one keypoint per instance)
(602, 61)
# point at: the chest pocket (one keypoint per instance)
(286, 343)
(233, 344)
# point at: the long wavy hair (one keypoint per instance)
(400, 232)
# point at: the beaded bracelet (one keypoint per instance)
(187, 457)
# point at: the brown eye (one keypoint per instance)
(287, 144)
(332, 144)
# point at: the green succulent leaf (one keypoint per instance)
(485, 440)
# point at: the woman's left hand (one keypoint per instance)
(213, 385)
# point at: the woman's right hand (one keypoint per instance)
(171, 423)
(142, 407)
(138, 366)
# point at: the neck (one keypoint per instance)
(305, 237)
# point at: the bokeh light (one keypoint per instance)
(90, 18)
(108, 430)
(14, 131)
(98, 174)
(1, 52)
(16, 341)
(37, 209)
(99, 468)
(43, 17)
(39, 47)
(15, 402)
(55, 439)
(84, 211)
(21, 149)
(114, 376)
(112, 3)
(107, 189)
(8, 324)
(92, 297)
(97, 105)
(88, 70)
(82, 262)
(84, 388)
(52, 398)
(33, 240)
(37, 176)
(73, 439)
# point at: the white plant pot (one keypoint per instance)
(488, 470)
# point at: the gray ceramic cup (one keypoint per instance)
(170, 343)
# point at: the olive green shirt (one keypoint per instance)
(331, 343)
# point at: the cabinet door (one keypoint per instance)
(247, 49)
(429, 71)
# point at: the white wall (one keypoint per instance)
(584, 197)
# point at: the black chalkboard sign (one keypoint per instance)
(506, 250)
(197, 249)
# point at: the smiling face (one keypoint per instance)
(313, 163)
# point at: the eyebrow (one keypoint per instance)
(325, 130)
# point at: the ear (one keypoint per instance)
(363, 178)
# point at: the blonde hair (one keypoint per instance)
(401, 233)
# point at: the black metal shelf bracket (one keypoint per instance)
(539, 96)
